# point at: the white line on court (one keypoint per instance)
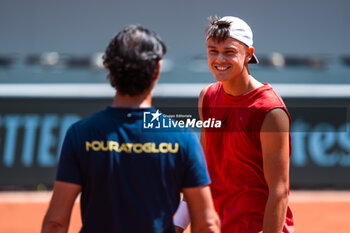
(98, 90)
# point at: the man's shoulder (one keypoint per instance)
(91, 120)
(175, 130)
(175, 127)
(208, 93)
(267, 97)
(209, 89)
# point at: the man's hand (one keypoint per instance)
(179, 229)
(203, 216)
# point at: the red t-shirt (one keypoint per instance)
(234, 157)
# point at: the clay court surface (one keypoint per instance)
(315, 211)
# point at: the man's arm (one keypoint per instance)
(200, 106)
(201, 209)
(202, 142)
(58, 214)
(274, 138)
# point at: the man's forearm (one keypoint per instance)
(53, 227)
(275, 213)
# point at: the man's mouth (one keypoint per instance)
(222, 68)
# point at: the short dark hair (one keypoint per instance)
(132, 59)
(218, 30)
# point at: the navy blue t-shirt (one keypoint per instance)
(130, 178)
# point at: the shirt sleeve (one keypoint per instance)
(196, 173)
(68, 169)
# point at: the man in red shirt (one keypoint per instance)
(248, 158)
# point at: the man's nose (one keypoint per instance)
(220, 57)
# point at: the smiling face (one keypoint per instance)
(228, 59)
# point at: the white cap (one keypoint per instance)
(241, 31)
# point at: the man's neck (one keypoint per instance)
(241, 85)
(126, 101)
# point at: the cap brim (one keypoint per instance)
(254, 60)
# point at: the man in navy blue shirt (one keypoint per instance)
(130, 178)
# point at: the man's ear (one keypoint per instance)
(156, 74)
(250, 52)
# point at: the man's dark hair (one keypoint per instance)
(218, 30)
(132, 59)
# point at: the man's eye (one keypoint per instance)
(230, 52)
(213, 51)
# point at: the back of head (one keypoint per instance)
(132, 59)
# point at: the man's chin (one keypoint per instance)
(221, 78)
